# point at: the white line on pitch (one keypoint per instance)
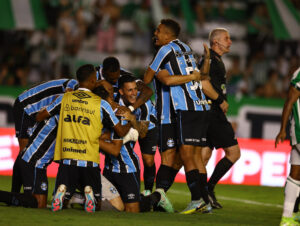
(232, 199)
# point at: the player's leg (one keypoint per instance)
(206, 153)
(167, 144)
(292, 186)
(65, 185)
(110, 194)
(221, 135)
(40, 189)
(148, 147)
(18, 118)
(192, 128)
(91, 181)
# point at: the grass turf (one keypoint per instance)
(242, 205)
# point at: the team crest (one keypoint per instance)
(81, 95)
(44, 186)
(170, 143)
(113, 190)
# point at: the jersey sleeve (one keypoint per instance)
(159, 57)
(296, 79)
(108, 117)
(54, 107)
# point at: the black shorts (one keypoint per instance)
(34, 179)
(167, 137)
(220, 133)
(149, 143)
(22, 120)
(192, 127)
(127, 184)
(78, 177)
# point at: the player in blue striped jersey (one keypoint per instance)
(26, 107)
(111, 71)
(124, 171)
(189, 102)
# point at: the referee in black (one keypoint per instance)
(220, 132)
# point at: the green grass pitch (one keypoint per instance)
(242, 205)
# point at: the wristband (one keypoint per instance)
(219, 100)
(131, 108)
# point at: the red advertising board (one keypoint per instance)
(260, 162)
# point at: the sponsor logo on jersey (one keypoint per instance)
(79, 119)
(81, 95)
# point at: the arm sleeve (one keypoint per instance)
(54, 107)
(159, 57)
(108, 117)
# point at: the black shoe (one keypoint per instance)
(213, 200)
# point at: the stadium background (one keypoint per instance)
(42, 40)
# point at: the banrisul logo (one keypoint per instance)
(81, 95)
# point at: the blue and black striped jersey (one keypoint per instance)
(40, 96)
(40, 148)
(128, 160)
(177, 58)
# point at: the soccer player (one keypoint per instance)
(26, 107)
(111, 71)
(220, 133)
(292, 186)
(185, 97)
(123, 171)
(81, 120)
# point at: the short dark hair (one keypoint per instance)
(172, 25)
(101, 92)
(111, 64)
(125, 78)
(84, 72)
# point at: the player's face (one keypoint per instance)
(129, 92)
(224, 42)
(161, 35)
(112, 77)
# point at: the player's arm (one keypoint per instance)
(140, 126)
(52, 109)
(109, 146)
(149, 75)
(172, 80)
(206, 62)
(144, 95)
(110, 120)
(209, 91)
(293, 95)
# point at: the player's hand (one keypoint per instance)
(280, 138)
(196, 75)
(206, 51)
(127, 116)
(224, 106)
(121, 110)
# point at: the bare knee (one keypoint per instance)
(295, 172)
(233, 153)
(148, 160)
(206, 153)
(41, 200)
(132, 207)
